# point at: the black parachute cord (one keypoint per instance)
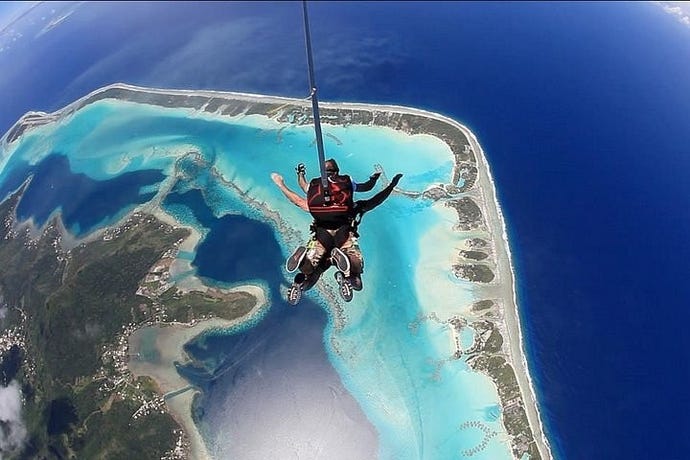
(315, 108)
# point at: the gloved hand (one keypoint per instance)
(301, 169)
(396, 179)
(375, 176)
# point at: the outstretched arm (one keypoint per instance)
(362, 206)
(296, 199)
(369, 184)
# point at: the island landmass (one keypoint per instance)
(59, 285)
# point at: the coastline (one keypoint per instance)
(505, 266)
(502, 287)
(513, 327)
(168, 346)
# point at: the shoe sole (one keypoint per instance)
(340, 260)
(296, 292)
(345, 289)
(295, 259)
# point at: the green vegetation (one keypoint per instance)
(474, 255)
(76, 304)
(118, 436)
(191, 305)
(487, 358)
(482, 305)
(469, 214)
(479, 273)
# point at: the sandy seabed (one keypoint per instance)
(170, 339)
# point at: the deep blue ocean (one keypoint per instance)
(582, 110)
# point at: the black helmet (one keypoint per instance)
(331, 167)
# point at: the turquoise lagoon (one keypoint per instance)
(389, 354)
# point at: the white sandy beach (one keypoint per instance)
(508, 292)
